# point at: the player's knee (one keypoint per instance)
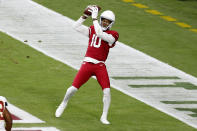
(75, 86)
(106, 91)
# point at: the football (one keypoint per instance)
(88, 11)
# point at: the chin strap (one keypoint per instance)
(104, 28)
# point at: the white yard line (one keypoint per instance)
(35, 129)
(23, 115)
(26, 20)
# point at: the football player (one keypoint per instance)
(101, 39)
(5, 116)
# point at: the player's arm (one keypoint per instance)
(8, 119)
(103, 35)
(78, 25)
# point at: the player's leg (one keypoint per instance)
(103, 79)
(69, 93)
(82, 76)
(106, 105)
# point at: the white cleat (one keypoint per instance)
(105, 121)
(60, 109)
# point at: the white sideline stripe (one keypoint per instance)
(184, 105)
(151, 82)
(165, 65)
(36, 128)
(23, 115)
(170, 111)
(148, 65)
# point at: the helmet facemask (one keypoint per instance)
(104, 28)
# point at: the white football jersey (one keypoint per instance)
(3, 104)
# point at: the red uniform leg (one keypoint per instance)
(83, 75)
(102, 75)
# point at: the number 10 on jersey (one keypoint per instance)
(95, 43)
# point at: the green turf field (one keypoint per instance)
(37, 83)
(146, 32)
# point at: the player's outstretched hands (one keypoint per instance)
(88, 11)
(94, 12)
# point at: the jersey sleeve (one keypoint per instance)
(116, 36)
(78, 26)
